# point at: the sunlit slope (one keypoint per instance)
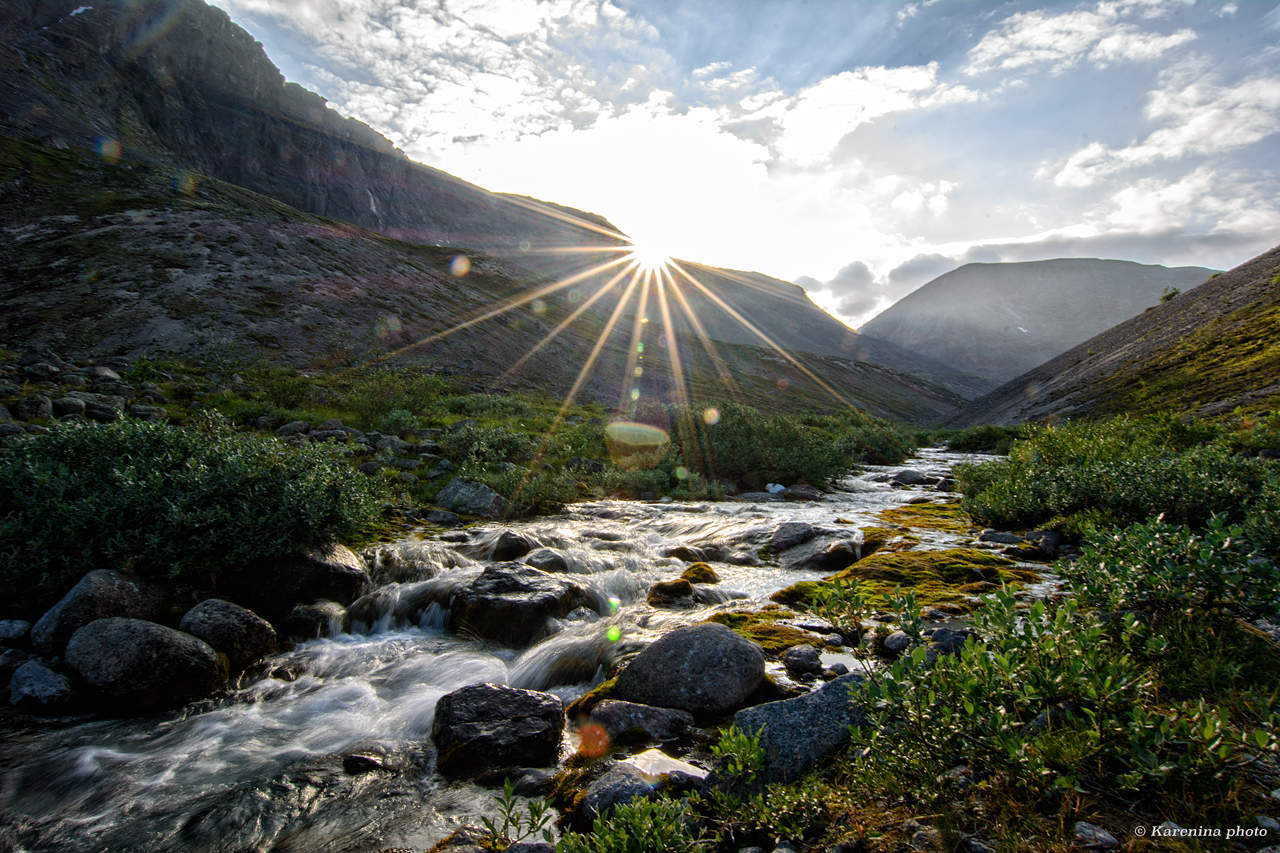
(999, 320)
(107, 259)
(1207, 352)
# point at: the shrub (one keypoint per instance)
(399, 422)
(163, 500)
(984, 439)
(643, 826)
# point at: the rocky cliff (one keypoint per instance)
(999, 320)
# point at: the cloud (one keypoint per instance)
(1199, 116)
(920, 270)
(851, 278)
(1033, 39)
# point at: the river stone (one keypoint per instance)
(139, 665)
(999, 537)
(705, 669)
(242, 635)
(272, 588)
(34, 408)
(442, 517)
(822, 556)
(802, 661)
(908, 477)
(35, 687)
(471, 498)
(98, 594)
(629, 721)
(802, 492)
(619, 785)
(485, 727)
(791, 534)
(322, 619)
(547, 560)
(293, 428)
(15, 633)
(1094, 837)
(511, 603)
(671, 595)
(796, 734)
(512, 546)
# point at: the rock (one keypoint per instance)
(15, 633)
(803, 661)
(1000, 538)
(1048, 541)
(293, 428)
(10, 660)
(802, 492)
(512, 546)
(8, 430)
(531, 847)
(896, 643)
(144, 412)
(240, 634)
(34, 408)
(619, 785)
(370, 468)
(704, 669)
(40, 371)
(442, 517)
(464, 839)
(908, 477)
(472, 498)
(392, 443)
(64, 406)
(629, 721)
(796, 734)
(759, 497)
(271, 589)
(946, 484)
(139, 665)
(815, 556)
(339, 435)
(547, 560)
(35, 687)
(687, 553)
(322, 619)
(357, 763)
(511, 603)
(98, 594)
(486, 727)
(791, 534)
(6, 417)
(700, 573)
(1093, 836)
(444, 466)
(948, 641)
(533, 782)
(671, 595)
(102, 373)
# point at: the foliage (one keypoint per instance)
(514, 825)
(739, 753)
(162, 500)
(1157, 566)
(399, 422)
(642, 826)
(983, 439)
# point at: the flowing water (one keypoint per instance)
(261, 768)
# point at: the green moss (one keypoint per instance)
(947, 517)
(581, 707)
(700, 573)
(761, 627)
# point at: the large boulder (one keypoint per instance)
(486, 727)
(242, 635)
(821, 556)
(629, 721)
(327, 573)
(35, 687)
(617, 786)
(97, 595)
(140, 666)
(472, 498)
(511, 545)
(705, 669)
(796, 734)
(547, 560)
(790, 534)
(511, 603)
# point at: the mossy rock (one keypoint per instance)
(700, 573)
(947, 517)
(762, 628)
(581, 707)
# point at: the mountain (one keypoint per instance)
(999, 320)
(170, 192)
(1206, 352)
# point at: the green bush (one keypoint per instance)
(643, 826)
(164, 500)
(983, 439)
(399, 422)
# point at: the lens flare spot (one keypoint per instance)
(614, 634)
(109, 149)
(638, 372)
(711, 416)
(575, 296)
(682, 472)
(460, 266)
(594, 740)
(636, 447)
(538, 307)
(649, 256)
(185, 182)
(640, 347)
(614, 603)
(524, 246)
(635, 394)
(783, 384)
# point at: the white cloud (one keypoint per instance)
(1198, 115)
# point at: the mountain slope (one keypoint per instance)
(999, 320)
(1205, 353)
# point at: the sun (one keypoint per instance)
(647, 256)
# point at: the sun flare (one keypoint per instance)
(649, 257)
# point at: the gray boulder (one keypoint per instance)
(802, 492)
(15, 633)
(821, 556)
(321, 619)
(511, 603)
(705, 669)
(35, 687)
(547, 560)
(242, 635)
(512, 546)
(908, 477)
(33, 408)
(64, 406)
(619, 785)
(293, 428)
(803, 661)
(629, 721)
(40, 371)
(790, 534)
(671, 595)
(796, 734)
(999, 537)
(328, 573)
(141, 666)
(471, 498)
(442, 517)
(486, 727)
(99, 594)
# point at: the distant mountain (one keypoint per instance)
(1207, 352)
(999, 320)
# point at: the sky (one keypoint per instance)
(857, 147)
